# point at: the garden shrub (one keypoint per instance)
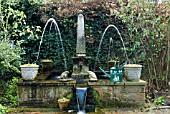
(12, 91)
(9, 96)
(9, 61)
(13, 26)
(2, 109)
(147, 25)
(11, 22)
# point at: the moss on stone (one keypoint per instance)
(23, 109)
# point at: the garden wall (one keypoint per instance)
(46, 93)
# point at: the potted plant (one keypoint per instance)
(64, 101)
(29, 71)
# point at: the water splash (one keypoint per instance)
(53, 22)
(81, 94)
(125, 53)
(81, 112)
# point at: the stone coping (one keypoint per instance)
(107, 82)
(99, 82)
(47, 82)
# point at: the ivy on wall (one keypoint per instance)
(95, 23)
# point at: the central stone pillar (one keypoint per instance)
(81, 48)
(80, 62)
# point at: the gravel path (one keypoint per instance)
(161, 111)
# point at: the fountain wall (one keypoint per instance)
(42, 94)
(46, 93)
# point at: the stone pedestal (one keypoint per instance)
(80, 67)
(47, 66)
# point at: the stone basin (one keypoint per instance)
(45, 93)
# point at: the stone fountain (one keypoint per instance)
(80, 62)
(44, 93)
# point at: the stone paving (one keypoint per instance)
(162, 111)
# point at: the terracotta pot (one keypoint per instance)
(63, 103)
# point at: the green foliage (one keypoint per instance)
(37, 1)
(63, 99)
(9, 96)
(97, 98)
(95, 23)
(12, 91)
(11, 22)
(24, 26)
(30, 9)
(159, 101)
(147, 31)
(69, 96)
(30, 44)
(9, 60)
(2, 109)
